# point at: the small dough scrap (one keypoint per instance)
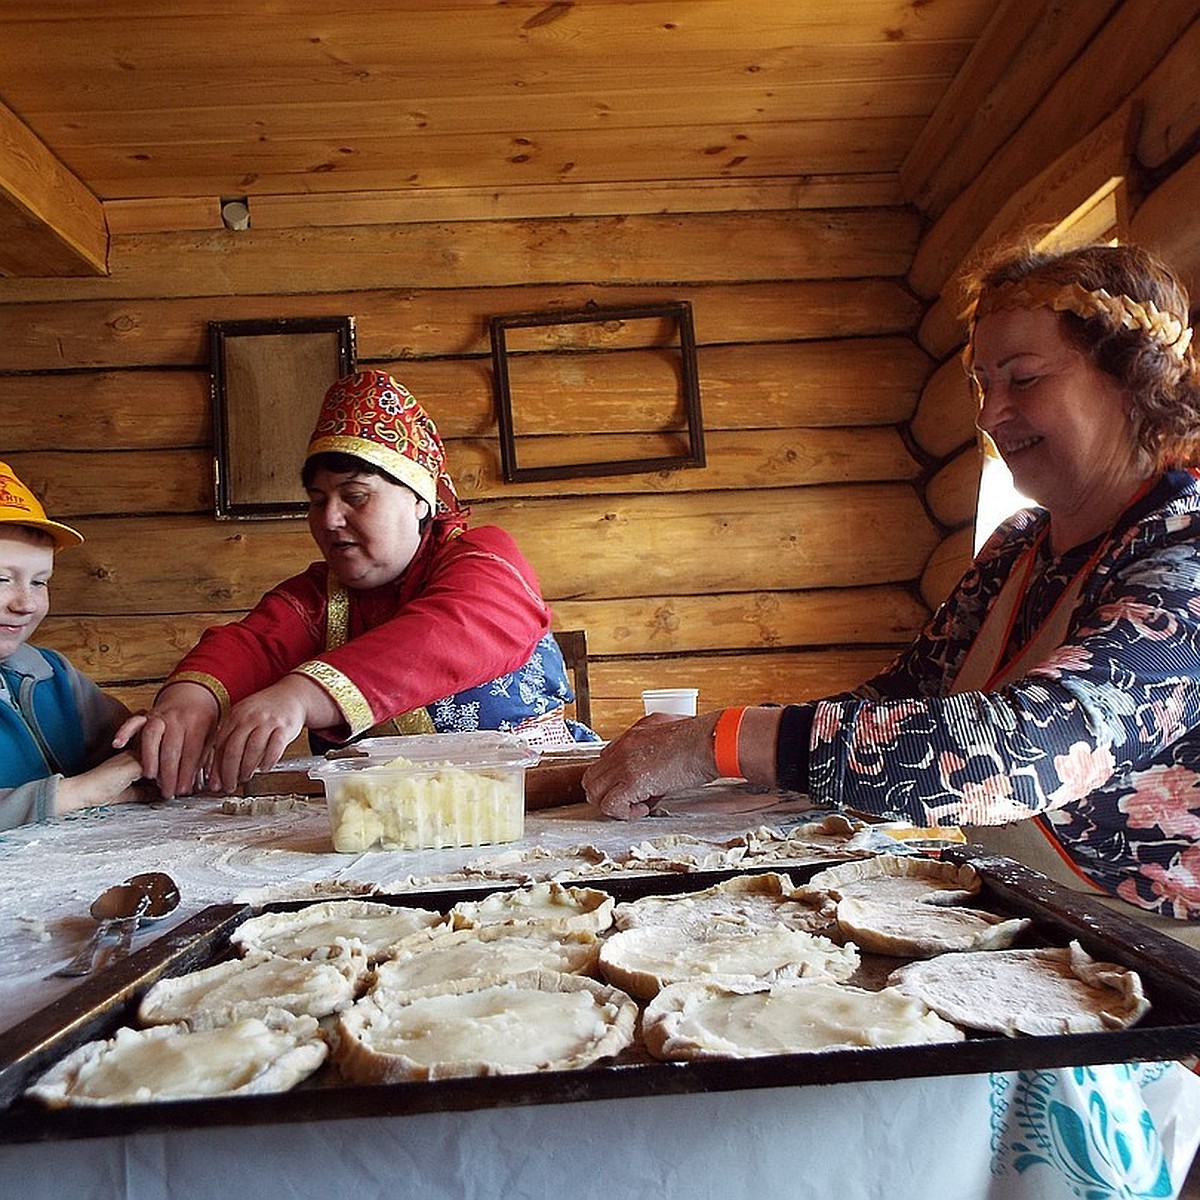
(248, 987)
(739, 1019)
(536, 1021)
(490, 952)
(172, 1062)
(923, 930)
(546, 903)
(684, 853)
(333, 930)
(1046, 991)
(643, 961)
(536, 864)
(257, 806)
(814, 842)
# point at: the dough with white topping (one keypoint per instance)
(334, 930)
(248, 987)
(547, 903)
(745, 901)
(706, 1018)
(643, 961)
(490, 952)
(172, 1062)
(1059, 989)
(536, 1021)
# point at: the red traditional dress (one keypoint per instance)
(459, 641)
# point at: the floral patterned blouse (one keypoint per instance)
(1102, 737)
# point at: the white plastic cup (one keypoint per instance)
(680, 701)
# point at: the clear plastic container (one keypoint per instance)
(427, 792)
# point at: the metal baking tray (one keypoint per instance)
(1170, 973)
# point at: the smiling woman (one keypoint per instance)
(1053, 701)
(412, 623)
(1061, 424)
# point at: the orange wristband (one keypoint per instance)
(725, 743)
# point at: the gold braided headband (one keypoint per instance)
(1164, 328)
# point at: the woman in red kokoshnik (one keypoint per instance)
(411, 623)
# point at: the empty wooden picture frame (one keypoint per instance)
(268, 380)
(637, 366)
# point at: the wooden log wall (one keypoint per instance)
(785, 567)
(837, 504)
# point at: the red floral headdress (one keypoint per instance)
(368, 414)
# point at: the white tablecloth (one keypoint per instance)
(1095, 1132)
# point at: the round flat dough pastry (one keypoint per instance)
(333, 930)
(490, 952)
(896, 878)
(923, 930)
(536, 1021)
(172, 1062)
(732, 1019)
(1044, 991)
(248, 987)
(745, 901)
(643, 961)
(546, 903)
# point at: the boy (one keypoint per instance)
(56, 726)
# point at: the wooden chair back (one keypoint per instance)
(573, 644)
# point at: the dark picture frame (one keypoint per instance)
(682, 341)
(268, 379)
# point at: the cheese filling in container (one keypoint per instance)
(428, 792)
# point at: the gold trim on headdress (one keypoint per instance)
(409, 473)
(1165, 328)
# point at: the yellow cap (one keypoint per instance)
(20, 506)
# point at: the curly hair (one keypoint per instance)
(1162, 385)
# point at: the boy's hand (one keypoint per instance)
(114, 781)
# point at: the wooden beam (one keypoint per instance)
(682, 248)
(1172, 99)
(50, 223)
(1166, 223)
(179, 481)
(945, 416)
(1077, 194)
(119, 647)
(1026, 46)
(599, 547)
(946, 565)
(1107, 75)
(308, 210)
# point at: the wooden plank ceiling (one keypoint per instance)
(142, 115)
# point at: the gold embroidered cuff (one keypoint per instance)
(345, 695)
(211, 682)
